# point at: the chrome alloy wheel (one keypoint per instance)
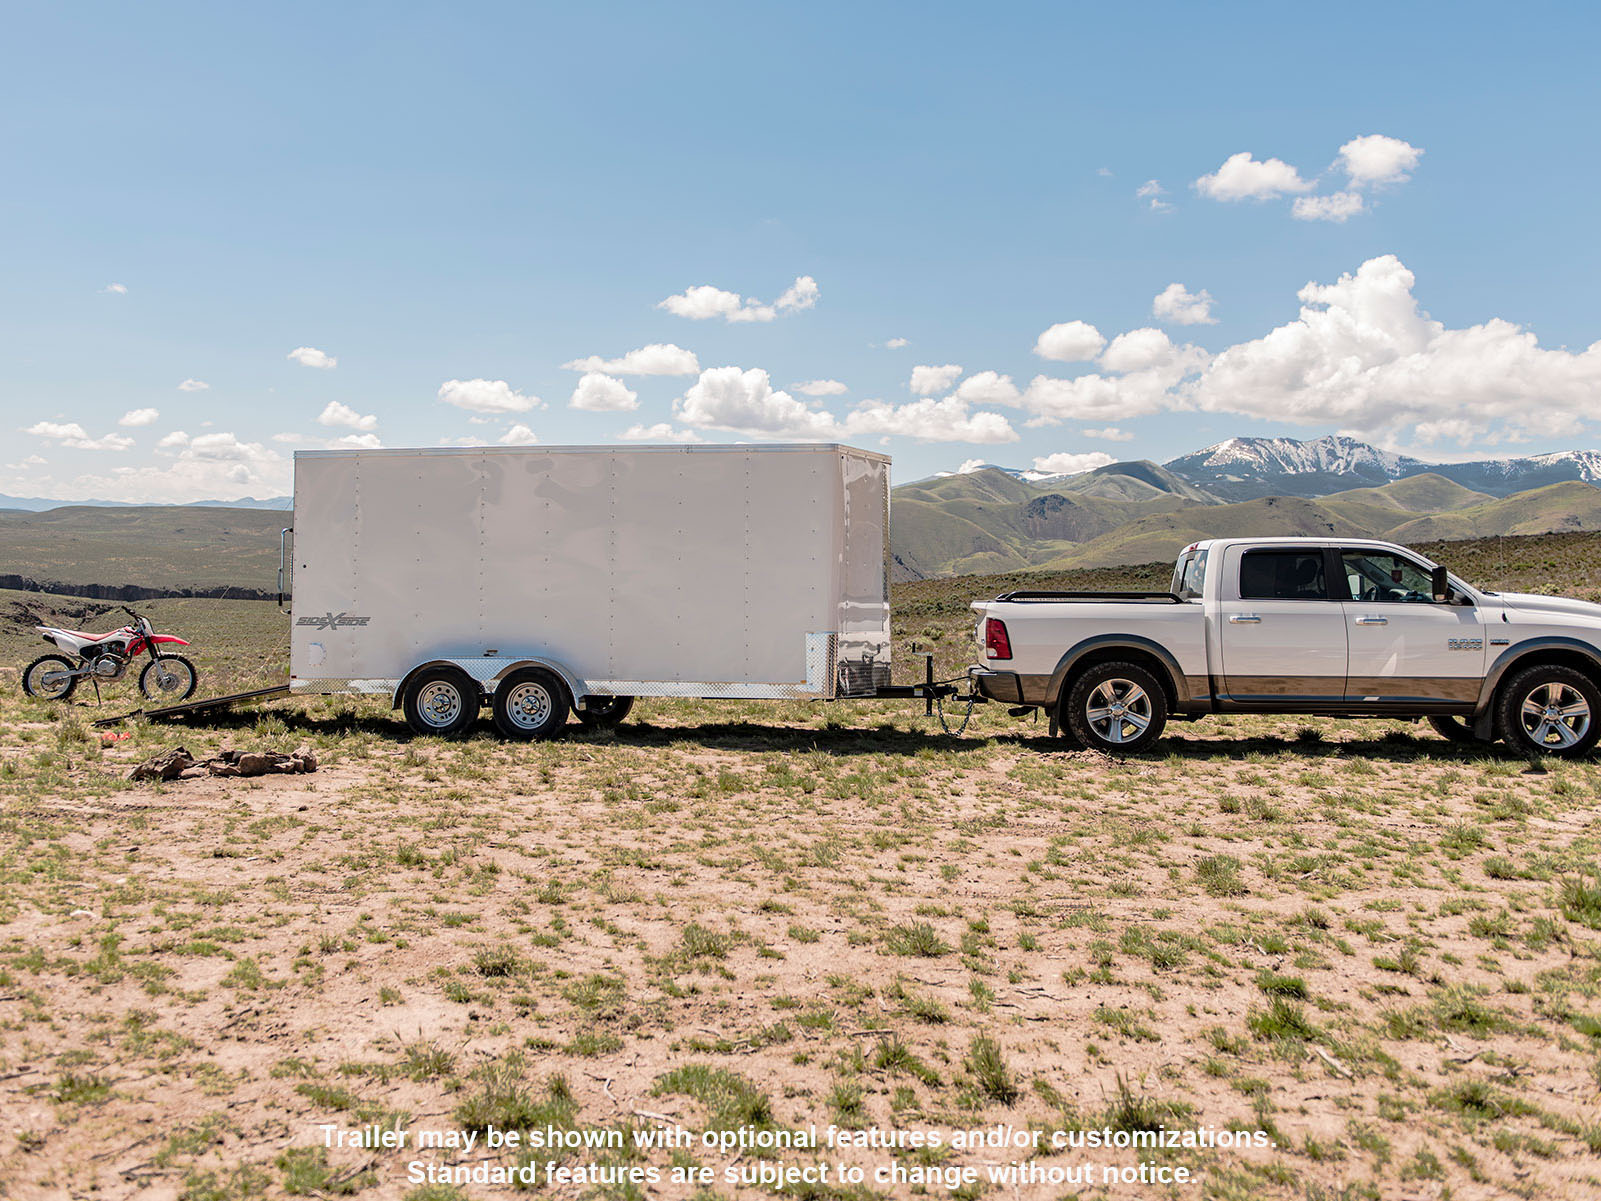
(440, 703)
(529, 705)
(1118, 710)
(1555, 715)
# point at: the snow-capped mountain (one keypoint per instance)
(1247, 468)
(1244, 468)
(1288, 456)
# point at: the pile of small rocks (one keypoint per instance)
(179, 764)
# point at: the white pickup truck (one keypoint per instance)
(1338, 627)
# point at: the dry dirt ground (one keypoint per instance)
(1378, 948)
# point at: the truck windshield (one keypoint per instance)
(1189, 574)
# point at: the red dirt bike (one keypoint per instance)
(107, 657)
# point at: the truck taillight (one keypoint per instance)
(996, 644)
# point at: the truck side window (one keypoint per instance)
(1386, 578)
(1283, 575)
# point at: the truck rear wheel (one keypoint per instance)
(1118, 708)
(441, 701)
(1455, 729)
(1551, 710)
(604, 712)
(530, 703)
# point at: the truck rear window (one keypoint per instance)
(1283, 575)
(1189, 575)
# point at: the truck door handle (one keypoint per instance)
(1372, 621)
(1244, 619)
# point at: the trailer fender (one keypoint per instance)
(488, 673)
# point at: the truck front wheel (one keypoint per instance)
(1118, 708)
(1551, 710)
(530, 703)
(441, 701)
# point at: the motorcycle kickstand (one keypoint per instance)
(100, 702)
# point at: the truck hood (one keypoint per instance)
(1527, 602)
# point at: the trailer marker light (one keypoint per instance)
(996, 643)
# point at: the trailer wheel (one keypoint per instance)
(530, 703)
(604, 712)
(1456, 729)
(1118, 708)
(441, 701)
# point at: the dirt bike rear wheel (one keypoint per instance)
(33, 678)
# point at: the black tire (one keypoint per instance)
(1456, 729)
(49, 663)
(531, 703)
(1096, 714)
(174, 668)
(1551, 710)
(604, 712)
(441, 701)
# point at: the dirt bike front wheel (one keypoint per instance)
(49, 678)
(170, 678)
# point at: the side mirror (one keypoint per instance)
(1440, 585)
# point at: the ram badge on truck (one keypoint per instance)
(1338, 627)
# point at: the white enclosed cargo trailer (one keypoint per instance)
(543, 579)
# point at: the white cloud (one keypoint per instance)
(310, 356)
(896, 344)
(662, 431)
(136, 417)
(343, 415)
(1362, 357)
(1110, 434)
(1152, 192)
(73, 435)
(486, 396)
(518, 435)
(659, 358)
(179, 438)
(211, 467)
(927, 380)
(1376, 159)
(729, 398)
(56, 429)
(929, 420)
(116, 289)
(1069, 342)
(986, 388)
(1177, 305)
(1072, 463)
(1139, 350)
(463, 440)
(193, 385)
(704, 302)
(822, 387)
(602, 394)
(1337, 207)
(356, 442)
(1242, 177)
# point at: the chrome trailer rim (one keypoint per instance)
(439, 704)
(1555, 715)
(1118, 710)
(528, 705)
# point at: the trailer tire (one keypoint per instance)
(605, 712)
(530, 703)
(441, 701)
(1116, 708)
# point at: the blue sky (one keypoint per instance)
(449, 203)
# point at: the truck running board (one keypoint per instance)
(188, 707)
